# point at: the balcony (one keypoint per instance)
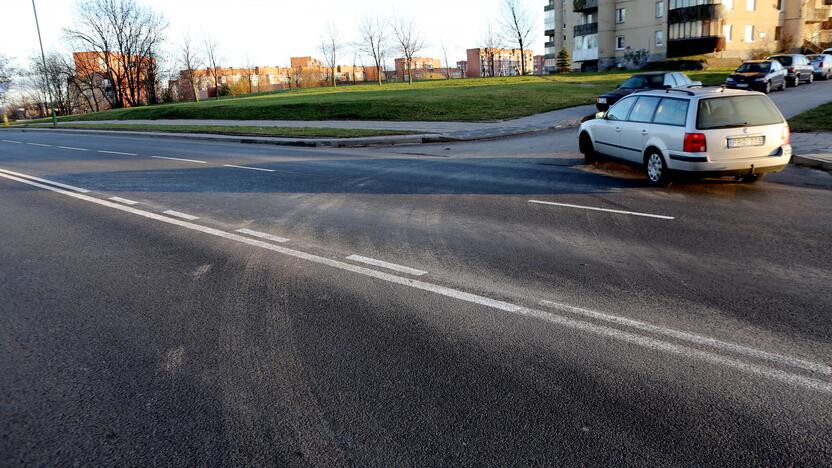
(817, 15)
(586, 29)
(584, 55)
(584, 5)
(695, 13)
(695, 46)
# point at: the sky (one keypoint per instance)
(268, 32)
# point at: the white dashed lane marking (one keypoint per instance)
(72, 148)
(263, 235)
(124, 200)
(181, 215)
(12, 141)
(387, 265)
(605, 210)
(38, 144)
(249, 168)
(179, 159)
(117, 153)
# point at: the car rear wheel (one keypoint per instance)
(783, 85)
(587, 148)
(796, 81)
(658, 175)
(767, 89)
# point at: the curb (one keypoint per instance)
(815, 161)
(298, 142)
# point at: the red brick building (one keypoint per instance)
(497, 62)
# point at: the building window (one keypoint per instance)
(750, 5)
(620, 15)
(564, 37)
(619, 43)
(749, 33)
(660, 9)
(780, 5)
(726, 31)
(778, 33)
(659, 38)
(728, 4)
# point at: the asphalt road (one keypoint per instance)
(680, 326)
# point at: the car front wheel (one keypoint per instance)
(811, 78)
(796, 81)
(767, 89)
(658, 175)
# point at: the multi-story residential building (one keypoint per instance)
(484, 62)
(419, 65)
(604, 34)
(103, 80)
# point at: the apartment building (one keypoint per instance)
(421, 66)
(483, 62)
(104, 79)
(604, 34)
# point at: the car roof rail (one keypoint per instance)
(680, 90)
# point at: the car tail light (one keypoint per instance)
(787, 136)
(695, 143)
(791, 69)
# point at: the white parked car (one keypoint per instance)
(707, 132)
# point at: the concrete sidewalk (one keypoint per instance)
(813, 150)
(449, 130)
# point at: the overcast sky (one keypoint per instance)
(270, 31)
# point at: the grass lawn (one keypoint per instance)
(288, 132)
(818, 119)
(476, 99)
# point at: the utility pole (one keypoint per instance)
(45, 71)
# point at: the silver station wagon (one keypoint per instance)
(705, 132)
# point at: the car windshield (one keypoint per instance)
(756, 67)
(643, 81)
(737, 111)
(784, 60)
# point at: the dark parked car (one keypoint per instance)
(797, 67)
(643, 81)
(822, 63)
(758, 75)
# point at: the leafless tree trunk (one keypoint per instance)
(518, 27)
(445, 55)
(409, 41)
(492, 44)
(251, 72)
(58, 82)
(125, 36)
(375, 43)
(330, 49)
(213, 59)
(190, 59)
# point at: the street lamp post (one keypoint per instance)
(45, 71)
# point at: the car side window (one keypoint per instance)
(669, 80)
(672, 112)
(644, 109)
(620, 110)
(682, 79)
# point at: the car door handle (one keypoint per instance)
(617, 129)
(644, 132)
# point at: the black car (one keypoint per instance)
(642, 81)
(797, 66)
(758, 75)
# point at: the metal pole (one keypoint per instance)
(45, 71)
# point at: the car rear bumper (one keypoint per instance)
(704, 167)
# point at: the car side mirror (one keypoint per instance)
(667, 86)
(601, 115)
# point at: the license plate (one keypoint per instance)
(602, 100)
(742, 85)
(746, 142)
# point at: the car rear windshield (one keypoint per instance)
(736, 111)
(784, 60)
(753, 67)
(643, 81)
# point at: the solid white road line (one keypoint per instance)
(387, 265)
(639, 340)
(38, 144)
(57, 184)
(118, 153)
(124, 200)
(693, 338)
(606, 210)
(181, 215)
(72, 148)
(12, 141)
(249, 168)
(179, 159)
(263, 235)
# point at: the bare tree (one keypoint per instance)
(190, 59)
(58, 84)
(375, 43)
(409, 41)
(330, 49)
(6, 73)
(125, 37)
(518, 27)
(445, 55)
(213, 60)
(251, 72)
(492, 43)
